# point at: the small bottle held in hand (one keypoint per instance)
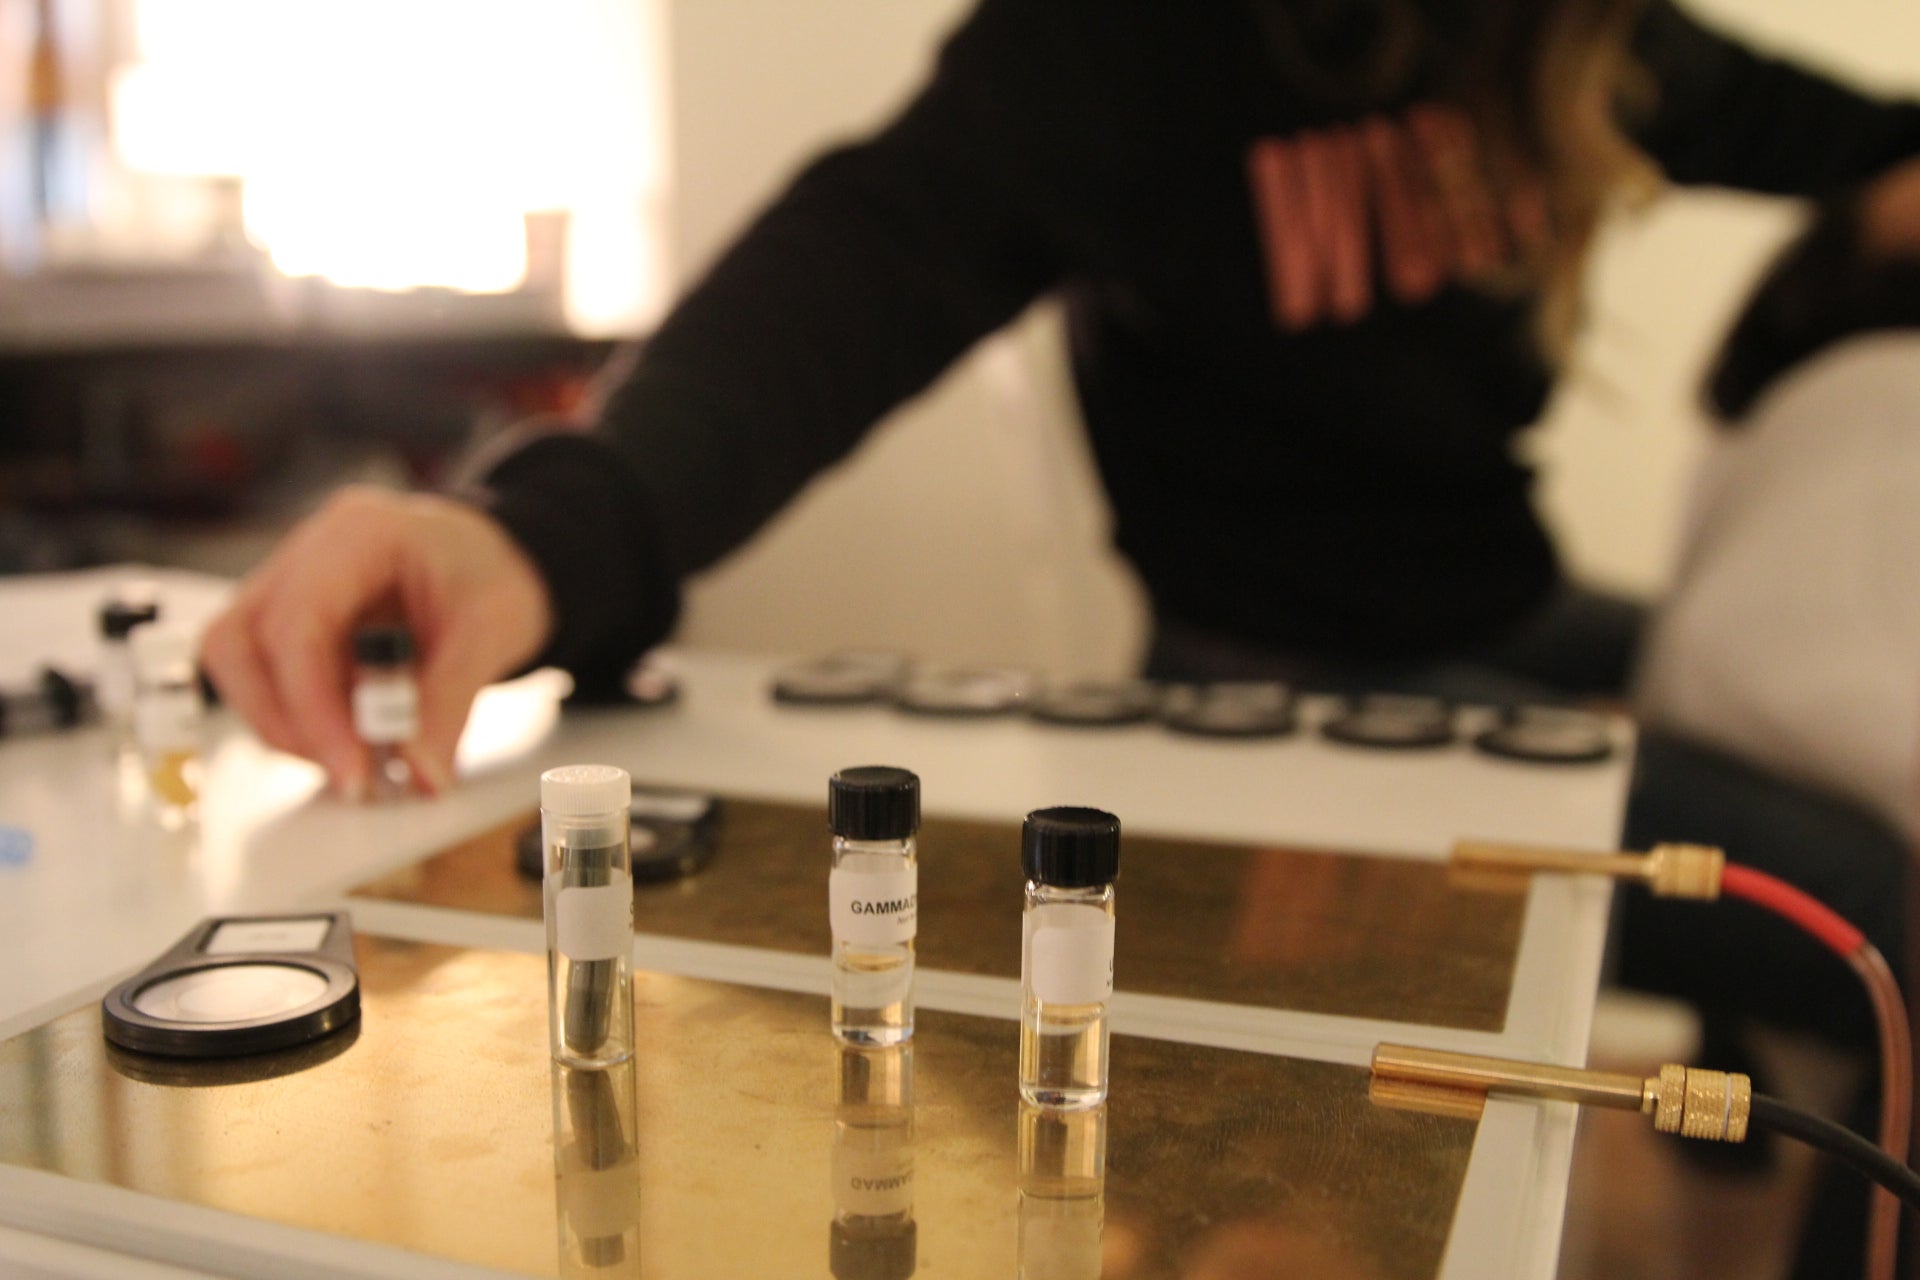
(386, 707)
(1071, 857)
(873, 902)
(588, 892)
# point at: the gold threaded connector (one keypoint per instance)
(1684, 871)
(1667, 870)
(1696, 1103)
(1689, 1101)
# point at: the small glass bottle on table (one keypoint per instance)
(1071, 857)
(873, 902)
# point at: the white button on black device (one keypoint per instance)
(1092, 702)
(1230, 708)
(963, 691)
(1392, 721)
(1548, 735)
(238, 985)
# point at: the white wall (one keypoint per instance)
(970, 526)
(1618, 445)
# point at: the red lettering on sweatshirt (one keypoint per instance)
(1400, 206)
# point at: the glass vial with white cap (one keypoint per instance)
(386, 707)
(1071, 857)
(588, 893)
(873, 902)
(167, 716)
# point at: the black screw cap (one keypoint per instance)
(1070, 847)
(118, 618)
(873, 802)
(382, 646)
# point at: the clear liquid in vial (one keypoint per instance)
(389, 774)
(592, 999)
(872, 994)
(1063, 1054)
(872, 982)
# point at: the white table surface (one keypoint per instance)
(103, 890)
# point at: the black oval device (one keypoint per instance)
(1548, 735)
(1230, 709)
(1392, 721)
(239, 985)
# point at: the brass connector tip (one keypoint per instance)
(1685, 871)
(1428, 1099)
(1696, 1103)
(1667, 870)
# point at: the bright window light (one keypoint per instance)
(396, 144)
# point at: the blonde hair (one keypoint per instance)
(1551, 109)
(1545, 82)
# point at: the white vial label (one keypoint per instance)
(168, 719)
(595, 923)
(874, 908)
(872, 1182)
(386, 711)
(1071, 950)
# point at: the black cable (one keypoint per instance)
(1839, 1142)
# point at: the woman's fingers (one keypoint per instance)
(280, 654)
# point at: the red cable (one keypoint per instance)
(1890, 1015)
(1783, 899)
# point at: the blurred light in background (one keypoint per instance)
(400, 144)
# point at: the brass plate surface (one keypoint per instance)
(739, 1134)
(1365, 937)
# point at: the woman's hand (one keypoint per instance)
(281, 653)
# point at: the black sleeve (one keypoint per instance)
(1724, 115)
(575, 507)
(876, 269)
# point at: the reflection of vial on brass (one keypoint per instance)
(597, 1169)
(386, 707)
(166, 716)
(873, 902)
(1063, 1172)
(1071, 857)
(588, 892)
(873, 1236)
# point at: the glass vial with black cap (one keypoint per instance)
(114, 686)
(873, 902)
(386, 707)
(588, 894)
(167, 716)
(1071, 857)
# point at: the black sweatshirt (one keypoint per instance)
(1347, 489)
